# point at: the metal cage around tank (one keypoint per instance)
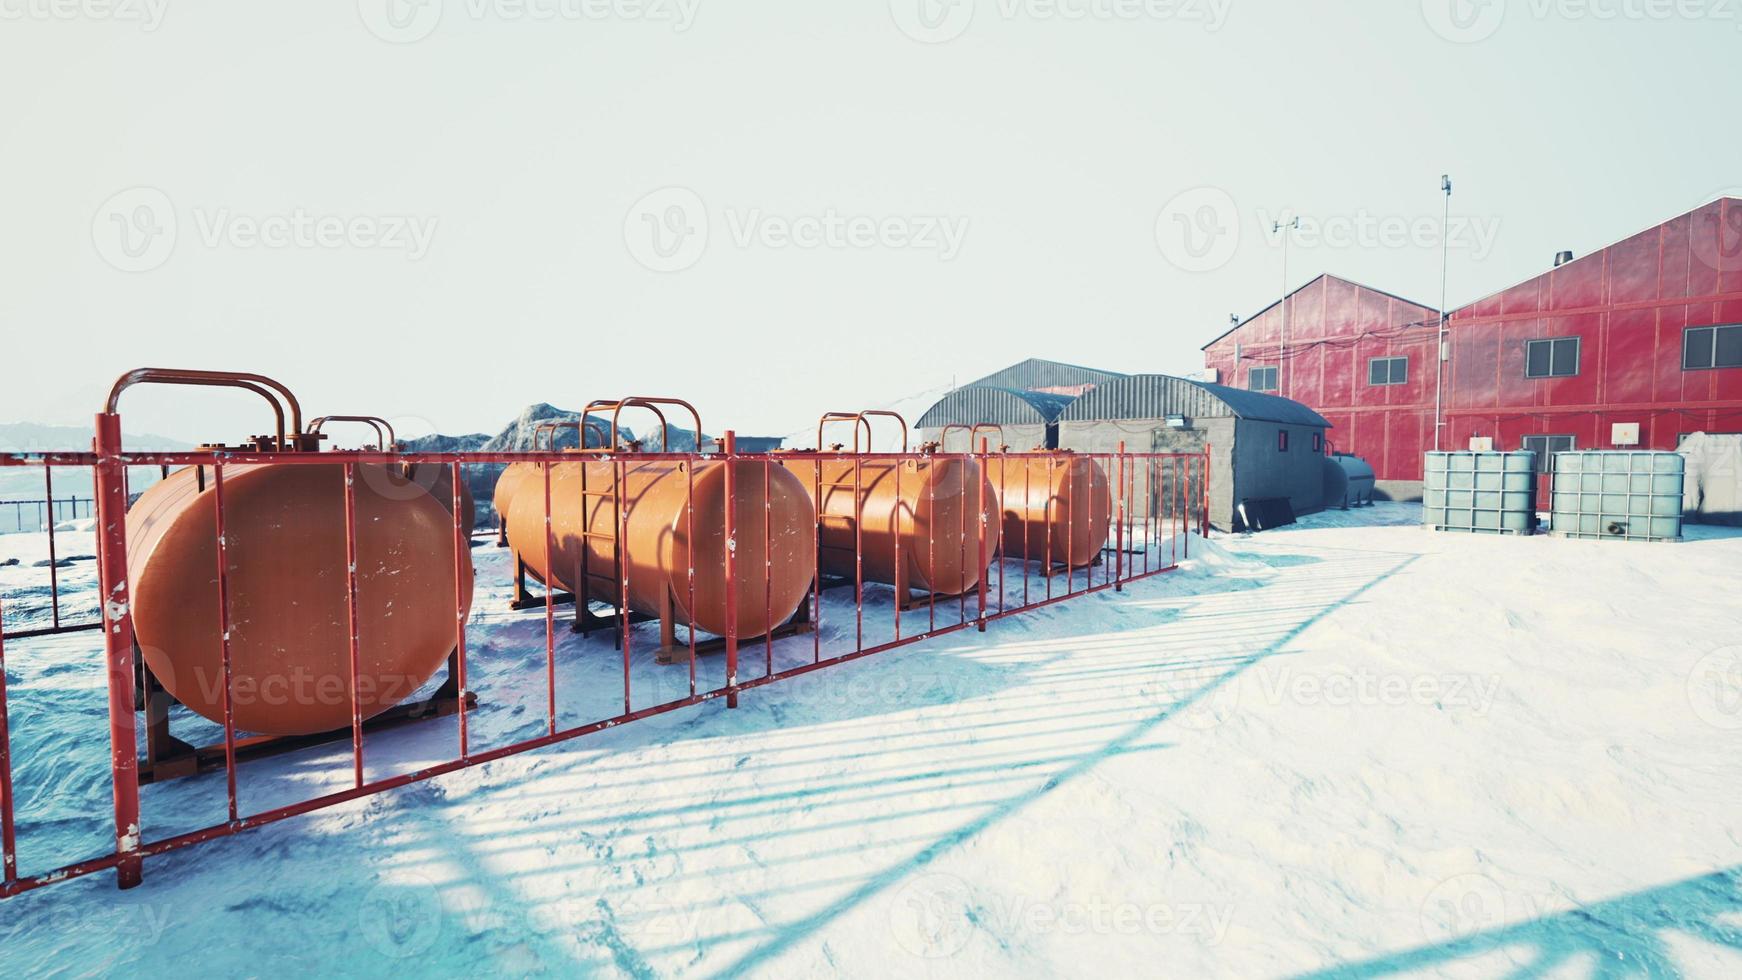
(839, 627)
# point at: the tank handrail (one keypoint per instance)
(863, 419)
(552, 425)
(973, 430)
(995, 427)
(858, 420)
(885, 413)
(650, 401)
(389, 441)
(256, 383)
(617, 405)
(217, 378)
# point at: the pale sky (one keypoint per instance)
(441, 212)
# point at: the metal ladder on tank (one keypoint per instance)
(585, 621)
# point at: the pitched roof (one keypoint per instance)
(1303, 288)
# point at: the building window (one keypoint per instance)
(1282, 441)
(1388, 371)
(1261, 379)
(1545, 447)
(1557, 358)
(1712, 347)
(1318, 442)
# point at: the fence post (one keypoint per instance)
(731, 447)
(1204, 497)
(1119, 529)
(985, 527)
(111, 494)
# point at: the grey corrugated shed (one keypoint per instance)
(1156, 396)
(1035, 374)
(1000, 406)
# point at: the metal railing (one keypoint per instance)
(1155, 502)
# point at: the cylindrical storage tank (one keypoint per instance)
(659, 513)
(1057, 507)
(1358, 479)
(290, 636)
(509, 483)
(930, 506)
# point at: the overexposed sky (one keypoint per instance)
(440, 212)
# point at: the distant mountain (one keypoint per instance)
(26, 483)
(29, 437)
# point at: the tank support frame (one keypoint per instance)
(167, 757)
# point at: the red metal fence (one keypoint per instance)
(1155, 502)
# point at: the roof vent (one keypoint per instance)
(1562, 258)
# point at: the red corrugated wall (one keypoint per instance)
(1334, 328)
(1628, 304)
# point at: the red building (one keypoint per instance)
(1645, 333)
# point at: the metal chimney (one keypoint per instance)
(1562, 258)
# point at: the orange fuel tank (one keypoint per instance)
(285, 573)
(515, 474)
(1057, 506)
(918, 526)
(663, 529)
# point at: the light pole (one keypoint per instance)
(1282, 348)
(1440, 334)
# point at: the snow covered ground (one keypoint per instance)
(1351, 747)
